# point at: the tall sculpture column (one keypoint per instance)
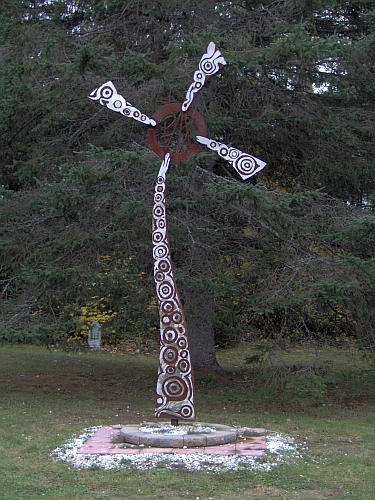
(175, 384)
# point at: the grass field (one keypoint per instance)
(48, 396)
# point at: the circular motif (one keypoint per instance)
(160, 251)
(178, 129)
(223, 151)
(233, 154)
(245, 164)
(165, 290)
(164, 266)
(183, 365)
(184, 354)
(208, 66)
(175, 388)
(177, 317)
(186, 411)
(159, 211)
(106, 92)
(159, 276)
(158, 198)
(166, 320)
(169, 336)
(181, 343)
(171, 370)
(117, 104)
(157, 236)
(168, 306)
(170, 355)
(161, 223)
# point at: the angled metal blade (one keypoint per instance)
(244, 164)
(211, 62)
(107, 95)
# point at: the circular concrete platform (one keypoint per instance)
(163, 435)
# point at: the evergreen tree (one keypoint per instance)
(290, 256)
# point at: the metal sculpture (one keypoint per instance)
(175, 385)
(211, 62)
(171, 134)
(244, 164)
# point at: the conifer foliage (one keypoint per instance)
(289, 256)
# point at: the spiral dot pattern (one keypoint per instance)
(174, 389)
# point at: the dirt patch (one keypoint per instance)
(360, 400)
(275, 493)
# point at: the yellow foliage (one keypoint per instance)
(226, 258)
(248, 232)
(95, 310)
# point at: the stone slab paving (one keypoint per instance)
(105, 441)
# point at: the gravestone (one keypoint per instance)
(94, 339)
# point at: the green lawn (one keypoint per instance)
(48, 396)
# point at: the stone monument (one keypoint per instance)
(94, 339)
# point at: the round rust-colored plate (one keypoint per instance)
(173, 130)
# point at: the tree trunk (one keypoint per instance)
(199, 312)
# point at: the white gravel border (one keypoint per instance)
(280, 448)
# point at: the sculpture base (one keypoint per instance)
(185, 435)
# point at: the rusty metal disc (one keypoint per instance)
(175, 132)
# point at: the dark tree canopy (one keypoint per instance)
(289, 254)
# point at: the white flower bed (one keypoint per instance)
(280, 448)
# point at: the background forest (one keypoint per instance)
(286, 257)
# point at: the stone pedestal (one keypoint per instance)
(213, 435)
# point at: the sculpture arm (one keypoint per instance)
(244, 164)
(107, 95)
